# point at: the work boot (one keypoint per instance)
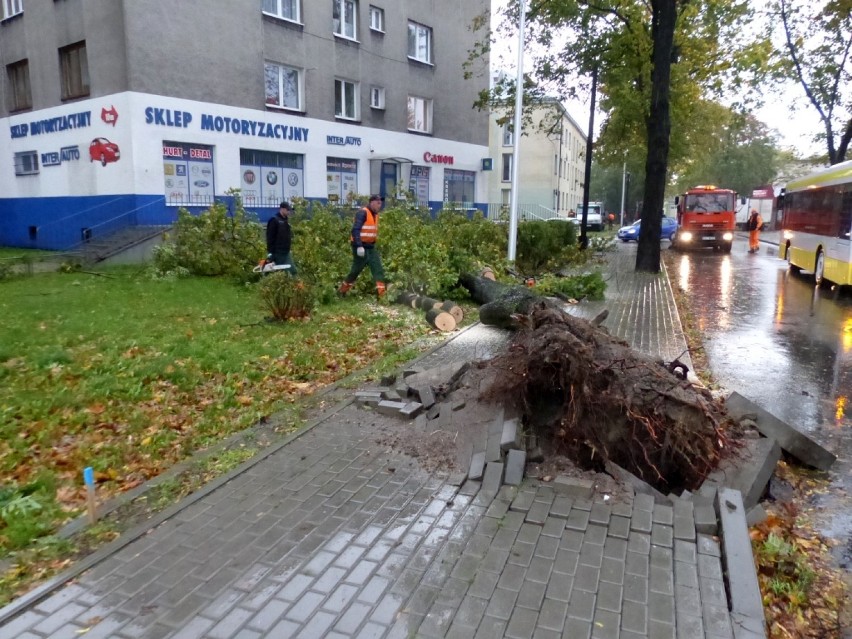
(344, 288)
(380, 290)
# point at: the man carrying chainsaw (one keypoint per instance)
(279, 237)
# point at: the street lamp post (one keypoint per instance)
(516, 138)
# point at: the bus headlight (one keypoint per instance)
(728, 237)
(686, 236)
(788, 235)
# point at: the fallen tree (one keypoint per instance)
(596, 399)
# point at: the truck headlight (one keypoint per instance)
(728, 237)
(788, 235)
(686, 236)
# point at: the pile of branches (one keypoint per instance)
(595, 399)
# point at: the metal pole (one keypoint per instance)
(516, 139)
(584, 238)
(623, 185)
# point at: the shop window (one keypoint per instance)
(419, 184)
(188, 174)
(342, 179)
(459, 187)
(269, 177)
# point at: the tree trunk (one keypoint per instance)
(502, 305)
(453, 309)
(441, 320)
(659, 129)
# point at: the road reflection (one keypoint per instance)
(774, 337)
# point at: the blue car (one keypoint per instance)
(667, 230)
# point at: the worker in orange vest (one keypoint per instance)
(365, 232)
(755, 222)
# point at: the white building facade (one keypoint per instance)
(323, 100)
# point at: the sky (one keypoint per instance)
(795, 127)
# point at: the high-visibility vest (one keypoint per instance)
(370, 230)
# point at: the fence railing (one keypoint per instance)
(526, 212)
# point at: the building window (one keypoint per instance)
(19, 96)
(418, 184)
(188, 174)
(507, 167)
(11, 8)
(269, 177)
(342, 179)
(419, 42)
(345, 99)
(286, 9)
(74, 66)
(508, 138)
(419, 114)
(377, 19)
(26, 163)
(284, 87)
(344, 13)
(377, 97)
(459, 187)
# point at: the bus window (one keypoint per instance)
(845, 213)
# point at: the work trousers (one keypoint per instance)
(371, 258)
(753, 241)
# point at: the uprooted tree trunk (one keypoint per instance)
(596, 399)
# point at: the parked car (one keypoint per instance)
(667, 230)
(103, 151)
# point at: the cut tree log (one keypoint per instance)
(407, 298)
(453, 309)
(427, 303)
(441, 320)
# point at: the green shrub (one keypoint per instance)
(285, 297)
(321, 246)
(544, 246)
(215, 242)
(473, 242)
(586, 286)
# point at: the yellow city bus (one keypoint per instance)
(816, 223)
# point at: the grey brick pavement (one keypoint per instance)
(334, 535)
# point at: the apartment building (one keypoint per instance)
(552, 165)
(118, 112)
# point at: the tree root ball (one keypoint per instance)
(596, 399)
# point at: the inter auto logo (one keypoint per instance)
(201, 183)
(271, 177)
(249, 177)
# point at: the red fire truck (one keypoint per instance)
(706, 217)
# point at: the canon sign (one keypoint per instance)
(437, 159)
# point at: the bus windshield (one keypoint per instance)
(709, 202)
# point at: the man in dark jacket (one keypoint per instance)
(279, 237)
(365, 232)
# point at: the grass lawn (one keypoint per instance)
(129, 375)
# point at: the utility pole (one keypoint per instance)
(623, 185)
(516, 146)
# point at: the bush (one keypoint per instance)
(588, 285)
(285, 297)
(544, 246)
(215, 242)
(321, 246)
(473, 242)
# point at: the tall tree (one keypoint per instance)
(656, 61)
(816, 53)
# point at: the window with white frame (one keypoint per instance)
(19, 96)
(344, 13)
(508, 137)
(377, 97)
(345, 99)
(377, 19)
(74, 68)
(284, 86)
(26, 163)
(419, 42)
(286, 9)
(507, 167)
(419, 114)
(12, 8)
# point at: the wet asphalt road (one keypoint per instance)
(775, 338)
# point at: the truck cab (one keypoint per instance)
(594, 219)
(706, 217)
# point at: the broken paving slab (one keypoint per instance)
(425, 395)
(749, 470)
(512, 436)
(573, 487)
(639, 486)
(516, 461)
(440, 376)
(477, 466)
(411, 410)
(390, 408)
(789, 438)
